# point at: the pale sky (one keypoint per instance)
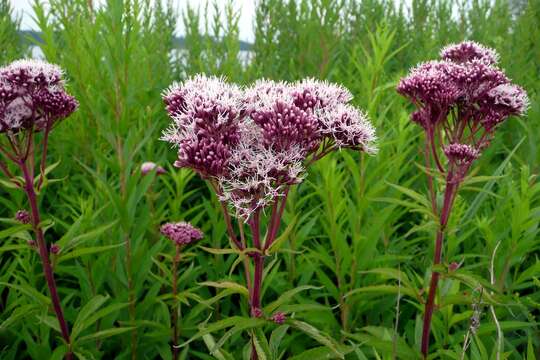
(246, 8)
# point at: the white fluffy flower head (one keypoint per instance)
(263, 95)
(258, 175)
(511, 96)
(349, 127)
(35, 70)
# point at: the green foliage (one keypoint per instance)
(9, 34)
(352, 263)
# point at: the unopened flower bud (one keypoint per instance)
(453, 266)
(149, 166)
(55, 249)
(279, 318)
(23, 217)
(256, 312)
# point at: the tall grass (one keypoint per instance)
(358, 238)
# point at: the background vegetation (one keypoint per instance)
(358, 241)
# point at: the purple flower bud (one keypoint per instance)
(257, 313)
(149, 166)
(453, 266)
(55, 249)
(286, 126)
(270, 105)
(181, 233)
(31, 243)
(23, 217)
(279, 318)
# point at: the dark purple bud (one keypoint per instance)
(55, 249)
(453, 266)
(279, 318)
(257, 312)
(286, 126)
(149, 166)
(23, 217)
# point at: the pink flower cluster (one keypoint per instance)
(206, 113)
(181, 233)
(254, 141)
(32, 96)
(464, 97)
(465, 81)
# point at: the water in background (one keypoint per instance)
(177, 55)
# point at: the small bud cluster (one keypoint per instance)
(464, 96)
(55, 249)
(257, 312)
(23, 217)
(32, 96)
(148, 166)
(255, 141)
(181, 233)
(279, 318)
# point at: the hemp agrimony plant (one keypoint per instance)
(32, 101)
(461, 100)
(253, 144)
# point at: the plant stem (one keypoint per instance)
(255, 301)
(449, 194)
(258, 260)
(230, 230)
(176, 260)
(131, 298)
(44, 255)
(275, 220)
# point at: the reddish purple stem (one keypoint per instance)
(255, 301)
(44, 255)
(176, 260)
(449, 194)
(275, 221)
(258, 260)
